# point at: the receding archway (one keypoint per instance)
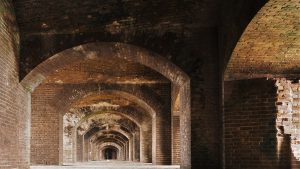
(110, 153)
(146, 119)
(180, 83)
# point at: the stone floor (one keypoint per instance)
(108, 165)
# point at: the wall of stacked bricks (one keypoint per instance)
(176, 140)
(44, 126)
(14, 120)
(251, 136)
(163, 139)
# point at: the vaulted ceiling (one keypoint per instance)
(48, 27)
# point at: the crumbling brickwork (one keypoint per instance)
(258, 124)
(287, 120)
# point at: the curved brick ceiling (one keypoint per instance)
(105, 70)
(117, 136)
(106, 118)
(270, 45)
(48, 27)
(113, 128)
(90, 15)
(112, 134)
(106, 102)
(114, 101)
(102, 140)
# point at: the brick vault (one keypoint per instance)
(149, 84)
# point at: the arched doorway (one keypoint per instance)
(110, 153)
(93, 58)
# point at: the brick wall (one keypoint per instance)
(253, 116)
(205, 94)
(163, 139)
(44, 126)
(176, 140)
(14, 119)
(250, 118)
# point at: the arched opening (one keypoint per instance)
(99, 105)
(263, 70)
(110, 153)
(124, 133)
(120, 156)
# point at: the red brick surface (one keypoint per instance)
(197, 36)
(251, 138)
(14, 120)
(249, 119)
(269, 47)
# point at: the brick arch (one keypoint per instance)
(181, 106)
(132, 139)
(103, 136)
(102, 145)
(90, 137)
(83, 120)
(99, 115)
(111, 140)
(102, 148)
(150, 106)
(105, 142)
(98, 49)
(145, 101)
(105, 145)
(75, 93)
(104, 139)
(127, 135)
(137, 98)
(269, 47)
